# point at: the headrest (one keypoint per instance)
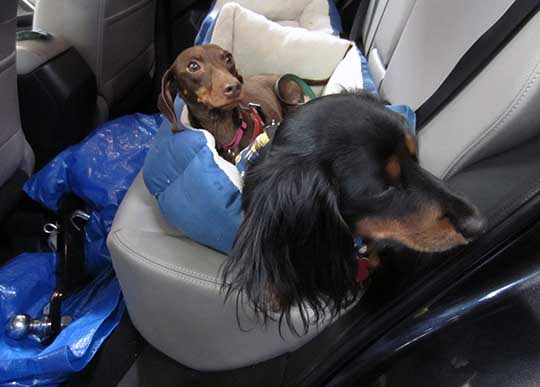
(261, 46)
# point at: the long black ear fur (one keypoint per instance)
(293, 249)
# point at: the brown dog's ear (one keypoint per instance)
(290, 93)
(166, 98)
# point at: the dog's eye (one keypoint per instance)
(228, 59)
(193, 66)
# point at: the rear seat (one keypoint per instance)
(413, 45)
(485, 142)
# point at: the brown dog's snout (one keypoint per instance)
(232, 89)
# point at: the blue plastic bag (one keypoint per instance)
(26, 286)
(99, 170)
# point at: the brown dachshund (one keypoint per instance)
(217, 96)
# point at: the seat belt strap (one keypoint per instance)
(358, 23)
(477, 57)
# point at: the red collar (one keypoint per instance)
(362, 270)
(232, 149)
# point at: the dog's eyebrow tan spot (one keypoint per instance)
(410, 142)
(393, 168)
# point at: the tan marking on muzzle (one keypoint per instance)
(203, 95)
(427, 231)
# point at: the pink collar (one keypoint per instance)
(231, 149)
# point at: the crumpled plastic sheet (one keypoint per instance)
(25, 287)
(99, 170)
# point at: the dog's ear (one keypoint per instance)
(290, 93)
(165, 103)
(293, 249)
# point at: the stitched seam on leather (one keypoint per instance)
(181, 275)
(110, 20)
(18, 163)
(391, 54)
(211, 281)
(495, 126)
(8, 140)
(8, 20)
(7, 62)
(176, 268)
(165, 269)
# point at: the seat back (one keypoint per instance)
(480, 141)
(115, 37)
(16, 157)
(494, 113)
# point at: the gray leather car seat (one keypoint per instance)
(172, 290)
(435, 35)
(16, 156)
(115, 37)
(485, 141)
(495, 116)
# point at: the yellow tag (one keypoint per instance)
(260, 142)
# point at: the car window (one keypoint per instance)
(25, 14)
(25, 7)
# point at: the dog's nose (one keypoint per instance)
(472, 226)
(232, 89)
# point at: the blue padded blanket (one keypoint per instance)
(196, 194)
(199, 192)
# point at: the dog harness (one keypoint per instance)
(231, 149)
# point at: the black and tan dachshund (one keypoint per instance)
(340, 166)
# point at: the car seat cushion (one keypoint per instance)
(313, 15)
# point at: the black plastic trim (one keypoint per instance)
(11, 192)
(330, 366)
(57, 102)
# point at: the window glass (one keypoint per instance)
(26, 7)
